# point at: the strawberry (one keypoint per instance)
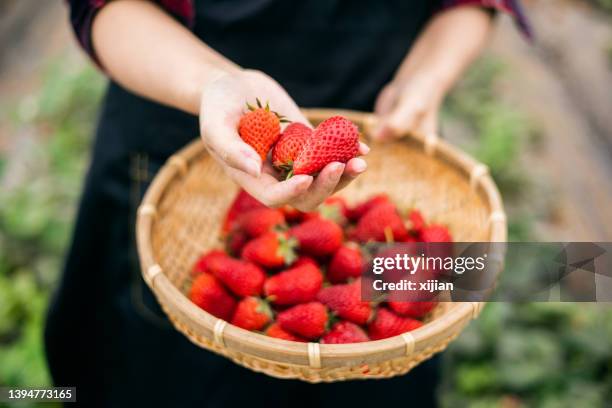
(345, 302)
(334, 140)
(291, 214)
(388, 324)
(274, 330)
(203, 264)
(302, 260)
(317, 237)
(382, 223)
(412, 309)
(358, 211)
(259, 221)
(260, 128)
(270, 250)
(242, 203)
(252, 314)
(236, 240)
(308, 320)
(209, 294)
(295, 285)
(436, 233)
(289, 144)
(241, 277)
(346, 263)
(417, 222)
(345, 332)
(333, 208)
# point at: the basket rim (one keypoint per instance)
(305, 354)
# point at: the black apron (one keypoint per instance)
(105, 332)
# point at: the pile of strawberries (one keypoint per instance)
(296, 276)
(298, 149)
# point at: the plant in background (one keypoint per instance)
(40, 183)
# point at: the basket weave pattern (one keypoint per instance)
(180, 218)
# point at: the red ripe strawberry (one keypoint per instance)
(259, 128)
(274, 330)
(346, 263)
(270, 250)
(242, 203)
(259, 221)
(303, 260)
(417, 222)
(236, 240)
(436, 233)
(412, 309)
(241, 277)
(357, 212)
(308, 320)
(208, 293)
(289, 145)
(345, 302)
(291, 214)
(203, 264)
(317, 237)
(252, 314)
(296, 285)
(388, 324)
(345, 332)
(381, 223)
(334, 140)
(333, 208)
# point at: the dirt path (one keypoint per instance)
(564, 82)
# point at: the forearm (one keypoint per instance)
(149, 53)
(446, 47)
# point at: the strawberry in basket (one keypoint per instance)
(299, 278)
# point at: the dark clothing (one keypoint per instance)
(105, 333)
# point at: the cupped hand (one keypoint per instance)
(223, 103)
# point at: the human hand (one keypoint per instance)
(408, 108)
(223, 103)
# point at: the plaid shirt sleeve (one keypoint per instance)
(82, 13)
(511, 7)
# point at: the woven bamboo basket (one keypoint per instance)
(180, 218)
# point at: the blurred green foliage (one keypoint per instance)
(537, 354)
(40, 184)
(550, 355)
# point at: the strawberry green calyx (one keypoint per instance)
(286, 249)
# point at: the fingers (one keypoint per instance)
(354, 168)
(269, 190)
(322, 187)
(363, 149)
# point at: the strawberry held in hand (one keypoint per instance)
(289, 145)
(260, 128)
(334, 140)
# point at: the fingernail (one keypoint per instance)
(359, 166)
(365, 149)
(253, 168)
